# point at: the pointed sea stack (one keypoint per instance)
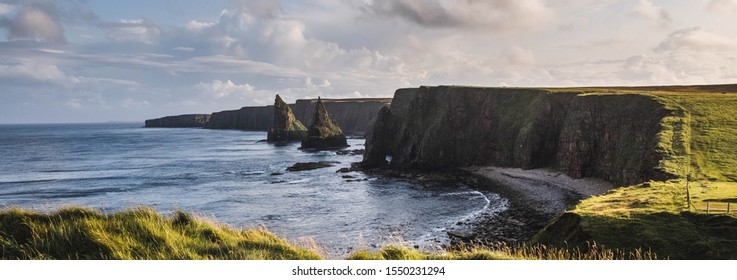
(286, 127)
(323, 133)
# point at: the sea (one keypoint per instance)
(232, 177)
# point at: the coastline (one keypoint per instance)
(535, 197)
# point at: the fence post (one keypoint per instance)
(707, 207)
(728, 204)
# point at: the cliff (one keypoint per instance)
(246, 118)
(616, 137)
(353, 115)
(286, 127)
(192, 120)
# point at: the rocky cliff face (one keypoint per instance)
(608, 136)
(286, 127)
(323, 133)
(192, 120)
(246, 118)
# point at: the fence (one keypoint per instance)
(713, 207)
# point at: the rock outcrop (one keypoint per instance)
(613, 137)
(191, 120)
(352, 115)
(323, 132)
(286, 127)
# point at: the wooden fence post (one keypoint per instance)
(728, 204)
(707, 207)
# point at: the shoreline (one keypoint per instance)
(535, 197)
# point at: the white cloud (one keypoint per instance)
(697, 39)
(221, 89)
(133, 30)
(199, 26)
(723, 6)
(6, 9)
(648, 10)
(36, 71)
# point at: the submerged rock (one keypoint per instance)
(286, 127)
(302, 166)
(323, 133)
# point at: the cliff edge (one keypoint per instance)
(616, 137)
(191, 120)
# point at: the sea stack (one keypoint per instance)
(323, 133)
(286, 127)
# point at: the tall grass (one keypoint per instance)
(80, 233)
(502, 251)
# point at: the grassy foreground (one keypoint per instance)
(79, 233)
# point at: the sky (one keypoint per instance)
(101, 60)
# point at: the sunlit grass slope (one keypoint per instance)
(79, 233)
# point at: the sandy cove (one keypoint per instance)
(535, 197)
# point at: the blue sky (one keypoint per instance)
(87, 61)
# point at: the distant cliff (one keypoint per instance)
(611, 136)
(246, 118)
(192, 120)
(353, 115)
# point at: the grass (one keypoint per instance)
(80, 233)
(503, 252)
(652, 215)
(699, 141)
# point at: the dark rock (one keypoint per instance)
(350, 152)
(276, 174)
(323, 133)
(192, 120)
(348, 177)
(302, 166)
(286, 127)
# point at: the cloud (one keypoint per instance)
(697, 39)
(221, 89)
(648, 10)
(495, 15)
(33, 20)
(132, 30)
(35, 71)
(722, 6)
(518, 56)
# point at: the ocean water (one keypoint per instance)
(226, 175)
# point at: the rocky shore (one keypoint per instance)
(534, 198)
